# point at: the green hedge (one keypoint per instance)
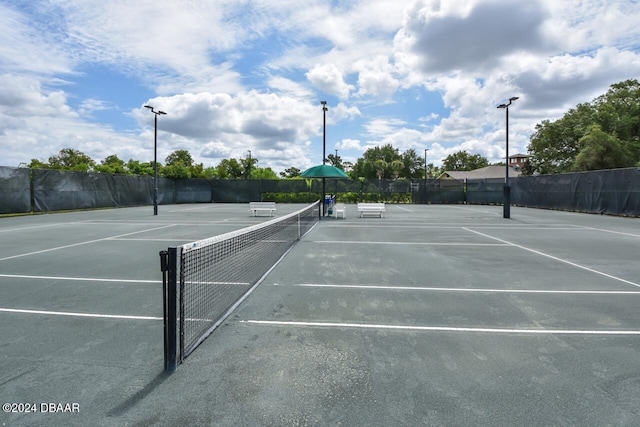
(348, 197)
(307, 197)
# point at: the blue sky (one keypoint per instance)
(247, 75)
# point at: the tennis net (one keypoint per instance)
(204, 281)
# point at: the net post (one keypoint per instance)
(169, 298)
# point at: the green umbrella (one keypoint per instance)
(324, 171)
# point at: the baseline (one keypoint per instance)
(73, 314)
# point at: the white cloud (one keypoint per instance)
(382, 127)
(342, 112)
(290, 88)
(376, 78)
(24, 96)
(349, 144)
(26, 49)
(217, 126)
(330, 79)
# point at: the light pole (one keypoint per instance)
(425, 175)
(249, 174)
(324, 143)
(506, 213)
(155, 157)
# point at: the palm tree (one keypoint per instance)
(397, 166)
(380, 166)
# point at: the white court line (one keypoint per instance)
(83, 243)
(556, 258)
(470, 290)
(404, 209)
(457, 227)
(444, 328)
(359, 242)
(145, 222)
(41, 226)
(191, 209)
(72, 314)
(151, 240)
(611, 231)
(474, 209)
(78, 279)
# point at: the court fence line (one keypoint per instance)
(23, 190)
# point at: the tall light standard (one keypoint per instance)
(506, 213)
(324, 143)
(425, 175)
(249, 174)
(155, 157)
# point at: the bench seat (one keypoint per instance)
(371, 208)
(256, 207)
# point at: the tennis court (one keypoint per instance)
(432, 315)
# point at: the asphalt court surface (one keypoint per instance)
(432, 315)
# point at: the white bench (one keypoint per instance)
(256, 207)
(370, 208)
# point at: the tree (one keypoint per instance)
(397, 166)
(229, 169)
(209, 173)
(335, 161)
(380, 166)
(248, 167)
(180, 165)
(554, 146)
(112, 164)
(179, 156)
(463, 161)
(413, 165)
(376, 163)
(291, 172)
(263, 173)
(433, 171)
(601, 151)
(38, 164)
(618, 113)
(145, 169)
(71, 159)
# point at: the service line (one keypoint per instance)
(443, 328)
(468, 290)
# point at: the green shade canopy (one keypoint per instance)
(324, 171)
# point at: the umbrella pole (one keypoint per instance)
(324, 195)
